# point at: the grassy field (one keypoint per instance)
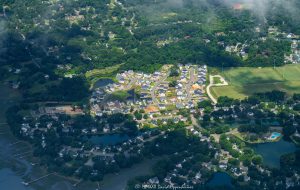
(102, 72)
(217, 80)
(118, 95)
(109, 72)
(245, 81)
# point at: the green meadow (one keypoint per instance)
(244, 81)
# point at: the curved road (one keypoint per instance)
(211, 84)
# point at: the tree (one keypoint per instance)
(297, 107)
(289, 130)
(234, 162)
(173, 83)
(257, 160)
(174, 71)
(75, 89)
(130, 127)
(224, 101)
(138, 115)
(296, 97)
(204, 104)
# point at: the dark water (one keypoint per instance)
(102, 83)
(220, 179)
(132, 95)
(109, 139)
(119, 181)
(271, 152)
(9, 179)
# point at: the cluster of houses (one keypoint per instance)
(190, 86)
(170, 179)
(154, 91)
(191, 177)
(294, 57)
(100, 107)
(128, 146)
(239, 49)
(111, 107)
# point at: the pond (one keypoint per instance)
(132, 95)
(220, 179)
(103, 82)
(272, 151)
(107, 140)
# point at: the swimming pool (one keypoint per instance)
(274, 135)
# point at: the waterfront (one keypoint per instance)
(16, 169)
(220, 179)
(11, 168)
(103, 82)
(272, 151)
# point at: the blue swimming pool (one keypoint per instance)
(275, 135)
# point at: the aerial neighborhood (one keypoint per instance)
(164, 92)
(150, 94)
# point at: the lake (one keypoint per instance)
(220, 179)
(103, 82)
(272, 151)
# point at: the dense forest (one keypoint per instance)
(42, 40)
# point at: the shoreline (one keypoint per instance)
(27, 168)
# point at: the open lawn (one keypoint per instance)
(102, 72)
(118, 95)
(109, 72)
(245, 81)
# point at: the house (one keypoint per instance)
(94, 130)
(154, 180)
(162, 106)
(179, 165)
(145, 87)
(25, 127)
(198, 175)
(65, 130)
(106, 129)
(179, 105)
(198, 92)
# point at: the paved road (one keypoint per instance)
(190, 83)
(131, 83)
(211, 84)
(153, 90)
(194, 121)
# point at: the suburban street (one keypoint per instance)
(211, 84)
(131, 83)
(190, 83)
(153, 90)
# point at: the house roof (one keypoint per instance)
(151, 108)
